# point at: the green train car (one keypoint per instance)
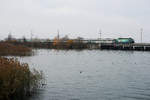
(124, 41)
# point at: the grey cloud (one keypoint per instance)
(75, 17)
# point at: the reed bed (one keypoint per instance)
(16, 79)
(8, 49)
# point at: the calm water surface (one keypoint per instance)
(93, 75)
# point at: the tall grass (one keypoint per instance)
(7, 49)
(16, 79)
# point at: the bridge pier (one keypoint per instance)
(123, 47)
(133, 47)
(144, 48)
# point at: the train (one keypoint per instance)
(124, 41)
(110, 41)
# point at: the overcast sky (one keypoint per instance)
(116, 18)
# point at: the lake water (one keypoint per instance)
(92, 74)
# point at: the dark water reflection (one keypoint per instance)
(93, 75)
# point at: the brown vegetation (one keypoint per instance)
(16, 79)
(8, 49)
(68, 44)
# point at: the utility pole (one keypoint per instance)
(58, 34)
(100, 33)
(31, 34)
(141, 35)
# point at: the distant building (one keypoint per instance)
(10, 38)
(33, 40)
